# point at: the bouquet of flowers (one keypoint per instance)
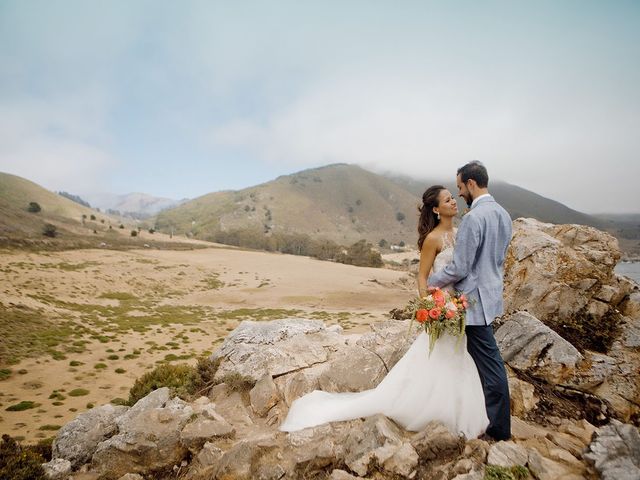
(439, 312)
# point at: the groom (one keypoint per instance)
(477, 270)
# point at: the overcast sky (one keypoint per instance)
(179, 99)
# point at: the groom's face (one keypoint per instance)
(463, 191)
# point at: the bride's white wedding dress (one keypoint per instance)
(420, 388)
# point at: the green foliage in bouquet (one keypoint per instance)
(439, 312)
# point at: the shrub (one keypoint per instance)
(181, 380)
(49, 230)
(23, 405)
(152, 231)
(121, 227)
(5, 373)
(134, 233)
(78, 392)
(92, 217)
(34, 207)
(383, 243)
(361, 254)
(19, 463)
(400, 216)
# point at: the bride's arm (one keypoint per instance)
(427, 257)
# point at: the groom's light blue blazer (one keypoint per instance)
(477, 268)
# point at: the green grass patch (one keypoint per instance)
(120, 370)
(78, 392)
(27, 332)
(23, 405)
(121, 296)
(5, 373)
(113, 357)
(118, 401)
(75, 363)
(494, 472)
(57, 396)
(50, 428)
(212, 282)
(56, 355)
(100, 366)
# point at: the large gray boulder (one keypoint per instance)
(554, 271)
(615, 452)
(149, 441)
(530, 346)
(256, 349)
(77, 440)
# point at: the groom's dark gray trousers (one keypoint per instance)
(482, 347)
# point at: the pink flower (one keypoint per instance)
(450, 314)
(435, 313)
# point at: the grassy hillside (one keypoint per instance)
(343, 203)
(20, 228)
(15, 195)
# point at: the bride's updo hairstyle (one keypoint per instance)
(428, 219)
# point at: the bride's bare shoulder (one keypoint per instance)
(433, 240)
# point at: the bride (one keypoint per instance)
(421, 387)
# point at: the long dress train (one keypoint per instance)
(420, 388)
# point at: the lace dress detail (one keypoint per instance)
(420, 388)
(446, 254)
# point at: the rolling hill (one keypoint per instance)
(343, 203)
(75, 224)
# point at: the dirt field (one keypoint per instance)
(78, 327)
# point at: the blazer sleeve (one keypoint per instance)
(464, 254)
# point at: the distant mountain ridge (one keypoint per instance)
(139, 205)
(518, 201)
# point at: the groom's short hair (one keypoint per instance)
(474, 170)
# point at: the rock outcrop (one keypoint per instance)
(559, 279)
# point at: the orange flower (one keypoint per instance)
(438, 297)
(434, 313)
(422, 315)
(450, 314)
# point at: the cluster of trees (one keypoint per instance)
(74, 198)
(360, 253)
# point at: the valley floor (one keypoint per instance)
(78, 327)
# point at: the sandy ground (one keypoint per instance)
(129, 310)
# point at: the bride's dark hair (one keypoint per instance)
(428, 219)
